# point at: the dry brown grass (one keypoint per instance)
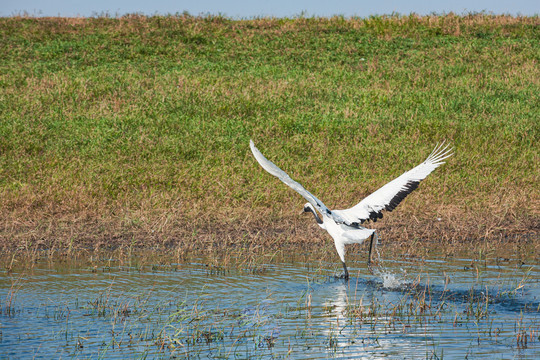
(137, 153)
(32, 228)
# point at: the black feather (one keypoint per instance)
(407, 189)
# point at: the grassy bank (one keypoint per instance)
(134, 131)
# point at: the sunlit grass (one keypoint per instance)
(132, 129)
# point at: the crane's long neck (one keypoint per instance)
(317, 218)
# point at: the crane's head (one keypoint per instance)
(309, 208)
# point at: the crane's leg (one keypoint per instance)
(346, 273)
(369, 256)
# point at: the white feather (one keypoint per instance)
(344, 225)
(380, 199)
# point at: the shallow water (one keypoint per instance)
(409, 309)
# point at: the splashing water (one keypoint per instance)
(190, 310)
(390, 279)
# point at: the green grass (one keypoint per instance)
(110, 127)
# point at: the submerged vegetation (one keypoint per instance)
(134, 131)
(292, 310)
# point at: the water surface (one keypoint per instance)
(409, 309)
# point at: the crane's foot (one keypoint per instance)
(345, 274)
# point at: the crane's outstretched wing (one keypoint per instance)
(282, 175)
(391, 194)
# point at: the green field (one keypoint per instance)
(135, 130)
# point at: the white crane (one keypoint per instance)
(344, 225)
